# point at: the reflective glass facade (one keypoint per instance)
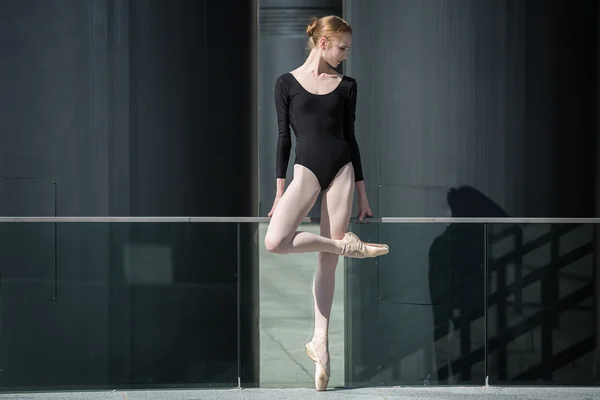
(161, 304)
(150, 109)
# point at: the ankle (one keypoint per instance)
(319, 337)
(339, 246)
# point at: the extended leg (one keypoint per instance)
(336, 209)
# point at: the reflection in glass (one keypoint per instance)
(420, 319)
(541, 314)
(137, 305)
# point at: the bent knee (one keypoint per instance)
(274, 244)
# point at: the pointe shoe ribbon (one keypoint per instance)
(351, 246)
(322, 371)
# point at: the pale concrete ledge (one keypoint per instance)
(394, 393)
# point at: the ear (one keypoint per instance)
(323, 43)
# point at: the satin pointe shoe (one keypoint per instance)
(321, 371)
(351, 246)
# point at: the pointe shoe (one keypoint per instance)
(322, 371)
(353, 247)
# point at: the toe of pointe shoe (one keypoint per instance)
(375, 251)
(321, 381)
(383, 246)
(321, 373)
(359, 249)
(321, 378)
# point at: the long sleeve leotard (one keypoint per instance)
(323, 126)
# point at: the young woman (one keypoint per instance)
(320, 106)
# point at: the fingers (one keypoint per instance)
(361, 215)
(364, 213)
(270, 214)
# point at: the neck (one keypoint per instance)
(315, 63)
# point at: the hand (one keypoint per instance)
(277, 198)
(364, 209)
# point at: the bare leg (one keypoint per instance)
(282, 236)
(336, 209)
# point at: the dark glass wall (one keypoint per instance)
(127, 108)
(475, 109)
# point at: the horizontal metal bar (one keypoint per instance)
(382, 220)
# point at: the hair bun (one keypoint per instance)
(311, 26)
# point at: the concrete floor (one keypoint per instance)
(395, 393)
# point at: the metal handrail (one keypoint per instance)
(378, 220)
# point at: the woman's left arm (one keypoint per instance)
(349, 118)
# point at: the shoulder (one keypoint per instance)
(283, 79)
(349, 79)
(349, 84)
(283, 84)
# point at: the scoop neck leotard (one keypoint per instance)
(323, 125)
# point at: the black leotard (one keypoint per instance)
(323, 126)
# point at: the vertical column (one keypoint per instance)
(597, 228)
(193, 152)
(248, 264)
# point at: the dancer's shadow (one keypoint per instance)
(456, 284)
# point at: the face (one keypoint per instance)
(336, 51)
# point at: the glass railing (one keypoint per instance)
(96, 303)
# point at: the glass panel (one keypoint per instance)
(174, 304)
(287, 317)
(28, 275)
(541, 314)
(416, 315)
(135, 305)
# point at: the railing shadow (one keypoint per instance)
(467, 251)
(461, 272)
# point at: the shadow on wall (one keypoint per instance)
(436, 350)
(456, 283)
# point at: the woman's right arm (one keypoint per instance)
(280, 187)
(284, 142)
